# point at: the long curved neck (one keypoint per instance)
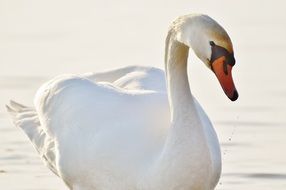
(180, 97)
(186, 126)
(185, 150)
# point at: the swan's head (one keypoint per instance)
(212, 45)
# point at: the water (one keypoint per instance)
(39, 40)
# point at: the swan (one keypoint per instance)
(134, 128)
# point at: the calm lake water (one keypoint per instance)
(39, 40)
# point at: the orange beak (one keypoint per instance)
(224, 76)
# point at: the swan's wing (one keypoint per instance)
(27, 119)
(92, 122)
(83, 129)
(61, 101)
(132, 78)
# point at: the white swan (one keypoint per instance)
(117, 131)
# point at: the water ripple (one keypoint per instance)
(259, 175)
(251, 123)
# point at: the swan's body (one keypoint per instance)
(117, 131)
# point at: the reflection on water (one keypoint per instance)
(269, 176)
(231, 144)
(252, 123)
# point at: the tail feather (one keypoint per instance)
(17, 105)
(20, 112)
(27, 119)
(10, 109)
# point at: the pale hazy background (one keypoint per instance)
(41, 39)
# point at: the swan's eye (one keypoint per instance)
(218, 51)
